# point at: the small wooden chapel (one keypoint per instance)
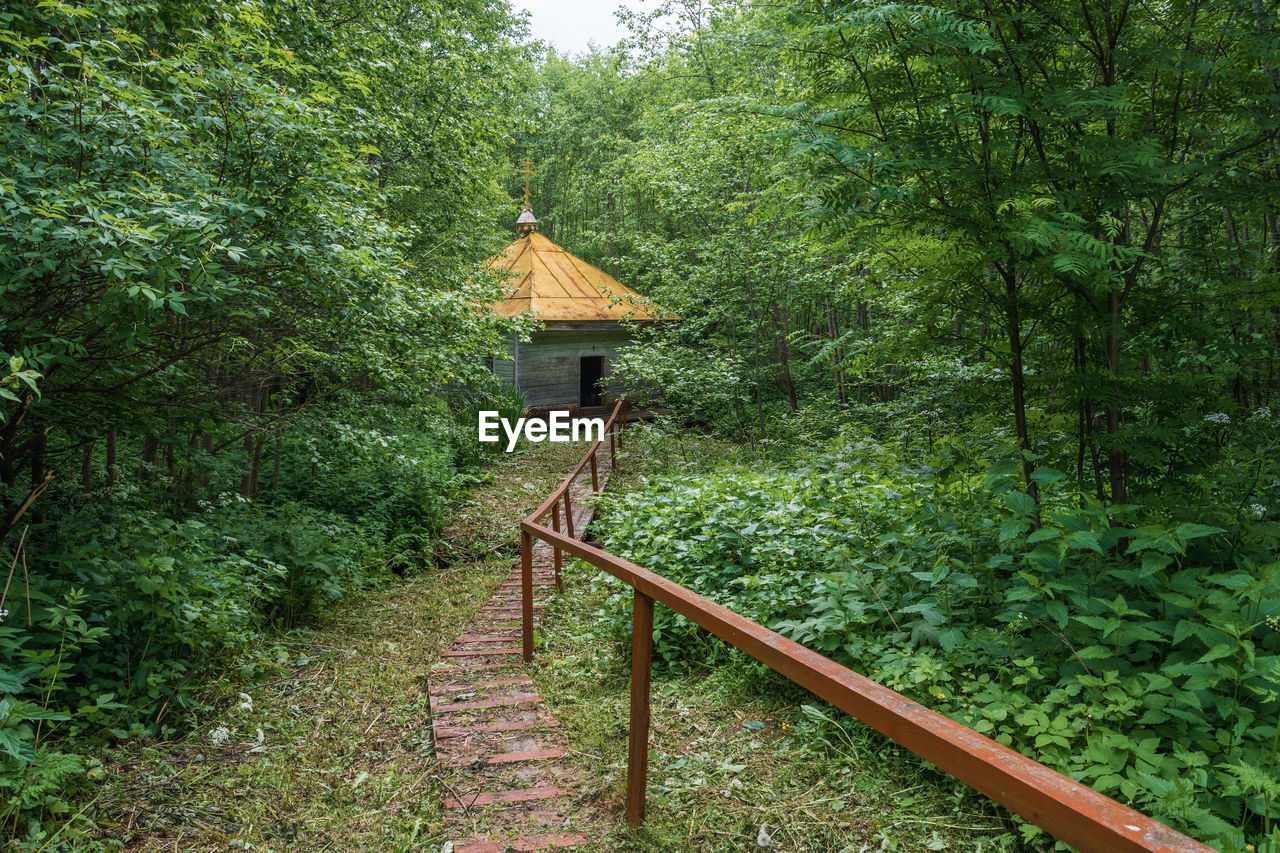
(567, 363)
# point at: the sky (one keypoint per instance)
(570, 24)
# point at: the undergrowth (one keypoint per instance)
(1134, 650)
(737, 750)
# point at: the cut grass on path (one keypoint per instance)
(345, 760)
(334, 752)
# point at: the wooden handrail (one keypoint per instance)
(1067, 810)
(545, 507)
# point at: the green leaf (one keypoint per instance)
(1196, 531)
(1086, 539)
(1221, 650)
(1047, 476)
(1020, 502)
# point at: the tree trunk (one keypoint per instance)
(1013, 318)
(150, 452)
(1115, 454)
(255, 470)
(39, 454)
(837, 358)
(784, 355)
(111, 457)
(275, 466)
(86, 467)
(247, 482)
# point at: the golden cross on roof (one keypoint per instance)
(526, 171)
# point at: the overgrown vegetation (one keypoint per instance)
(1135, 649)
(240, 262)
(319, 737)
(991, 287)
(988, 290)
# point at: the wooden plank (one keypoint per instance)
(480, 685)
(481, 704)
(517, 795)
(522, 844)
(511, 757)
(491, 728)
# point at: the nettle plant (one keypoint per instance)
(1138, 655)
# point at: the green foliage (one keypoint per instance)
(1134, 651)
(375, 467)
(706, 392)
(240, 251)
(462, 423)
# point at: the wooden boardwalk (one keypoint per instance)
(512, 783)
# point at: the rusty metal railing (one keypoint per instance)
(1067, 810)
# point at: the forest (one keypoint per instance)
(980, 297)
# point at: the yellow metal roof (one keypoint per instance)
(555, 285)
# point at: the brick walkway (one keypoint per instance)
(512, 782)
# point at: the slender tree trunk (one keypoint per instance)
(780, 325)
(86, 467)
(9, 438)
(250, 445)
(255, 469)
(1014, 320)
(111, 457)
(170, 457)
(1115, 454)
(150, 452)
(39, 455)
(837, 356)
(275, 465)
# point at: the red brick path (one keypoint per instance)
(513, 784)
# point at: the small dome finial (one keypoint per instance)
(526, 224)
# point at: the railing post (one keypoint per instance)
(557, 556)
(595, 473)
(555, 525)
(638, 741)
(526, 594)
(568, 512)
(613, 447)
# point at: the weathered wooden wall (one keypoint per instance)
(549, 365)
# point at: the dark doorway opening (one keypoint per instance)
(592, 371)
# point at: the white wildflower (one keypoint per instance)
(1262, 413)
(257, 744)
(246, 702)
(1258, 510)
(220, 735)
(1218, 419)
(4, 614)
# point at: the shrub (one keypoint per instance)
(1139, 654)
(392, 470)
(464, 417)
